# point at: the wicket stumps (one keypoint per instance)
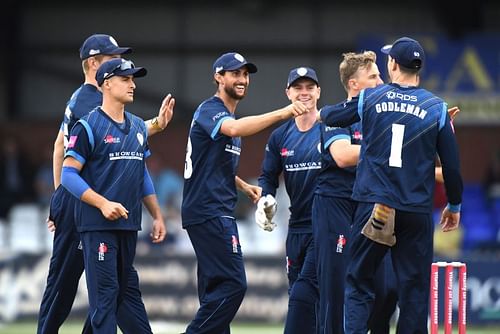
(448, 296)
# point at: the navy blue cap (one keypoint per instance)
(301, 72)
(232, 61)
(101, 44)
(120, 67)
(406, 52)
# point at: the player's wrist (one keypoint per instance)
(156, 125)
(454, 208)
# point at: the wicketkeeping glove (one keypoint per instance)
(266, 209)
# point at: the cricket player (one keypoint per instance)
(403, 128)
(105, 169)
(293, 149)
(66, 263)
(210, 184)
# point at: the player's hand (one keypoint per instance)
(453, 112)
(113, 210)
(449, 220)
(166, 111)
(51, 226)
(159, 231)
(264, 214)
(296, 109)
(253, 192)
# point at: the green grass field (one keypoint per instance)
(176, 328)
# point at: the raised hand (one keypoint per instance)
(166, 111)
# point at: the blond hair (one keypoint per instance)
(85, 62)
(352, 62)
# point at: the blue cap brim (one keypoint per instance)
(137, 72)
(250, 66)
(303, 77)
(118, 51)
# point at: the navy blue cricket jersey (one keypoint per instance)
(403, 129)
(82, 101)
(334, 181)
(113, 156)
(210, 168)
(297, 155)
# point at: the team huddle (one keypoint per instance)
(360, 175)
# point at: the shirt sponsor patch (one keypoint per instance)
(72, 141)
(109, 139)
(286, 152)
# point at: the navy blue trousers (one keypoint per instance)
(113, 283)
(221, 275)
(303, 285)
(332, 217)
(411, 257)
(386, 298)
(66, 265)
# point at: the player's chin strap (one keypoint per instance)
(264, 214)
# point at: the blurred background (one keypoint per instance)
(178, 41)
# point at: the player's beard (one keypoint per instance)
(231, 92)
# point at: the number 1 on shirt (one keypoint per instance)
(398, 131)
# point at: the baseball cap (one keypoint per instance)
(232, 61)
(101, 44)
(119, 67)
(406, 52)
(301, 72)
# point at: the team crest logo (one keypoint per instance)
(234, 243)
(103, 249)
(340, 244)
(140, 138)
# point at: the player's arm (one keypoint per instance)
(271, 167)
(79, 149)
(342, 114)
(77, 186)
(448, 154)
(269, 181)
(253, 192)
(159, 230)
(249, 125)
(165, 114)
(344, 153)
(452, 112)
(438, 173)
(57, 158)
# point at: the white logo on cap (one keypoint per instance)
(239, 57)
(416, 54)
(94, 52)
(112, 40)
(218, 69)
(387, 47)
(302, 71)
(140, 138)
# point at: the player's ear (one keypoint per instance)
(105, 84)
(217, 78)
(392, 63)
(319, 92)
(93, 63)
(352, 84)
